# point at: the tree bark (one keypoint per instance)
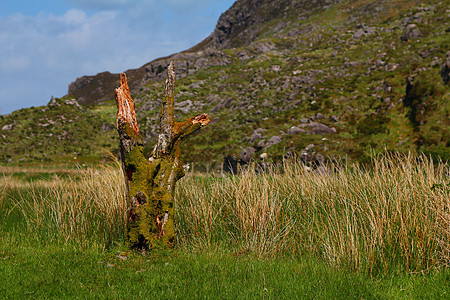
(151, 182)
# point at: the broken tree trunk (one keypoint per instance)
(151, 182)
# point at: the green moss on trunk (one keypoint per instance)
(151, 183)
(151, 203)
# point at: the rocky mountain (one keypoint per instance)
(313, 79)
(238, 26)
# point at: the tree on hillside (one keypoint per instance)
(151, 182)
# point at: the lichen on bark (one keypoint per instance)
(151, 182)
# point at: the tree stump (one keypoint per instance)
(151, 182)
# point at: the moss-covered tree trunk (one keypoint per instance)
(151, 182)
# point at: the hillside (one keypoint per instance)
(61, 132)
(313, 79)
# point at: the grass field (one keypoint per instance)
(348, 232)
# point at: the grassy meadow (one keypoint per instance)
(342, 232)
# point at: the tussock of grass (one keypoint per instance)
(88, 210)
(394, 215)
(364, 219)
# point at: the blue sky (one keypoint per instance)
(46, 44)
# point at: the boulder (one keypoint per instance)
(197, 84)
(311, 157)
(72, 101)
(411, 32)
(359, 34)
(296, 130)
(261, 144)
(276, 139)
(319, 128)
(185, 106)
(307, 154)
(247, 154)
(364, 31)
(226, 103)
(319, 159)
(276, 68)
(7, 127)
(257, 135)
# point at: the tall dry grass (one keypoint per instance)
(391, 215)
(395, 214)
(88, 209)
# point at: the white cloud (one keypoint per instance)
(74, 16)
(44, 53)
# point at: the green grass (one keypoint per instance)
(349, 233)
(61, 133)
(353, 233)
(55, 272)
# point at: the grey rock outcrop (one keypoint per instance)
(309, 156)
(319, 128)
(185, 106)
(239, 25)
(226, 103)
(296, 130)
(247, 154)
(257, 135)
(276, 139)
(364, 31)
(186, 63)
(411, 32)
(8, 127)
(94, 89)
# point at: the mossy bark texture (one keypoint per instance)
(151, 182)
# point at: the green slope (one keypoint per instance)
(348, 77)
(61, 132)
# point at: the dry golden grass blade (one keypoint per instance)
(368, 219)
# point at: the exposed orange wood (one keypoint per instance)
(125, 105)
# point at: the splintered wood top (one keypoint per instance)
(125, 105)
